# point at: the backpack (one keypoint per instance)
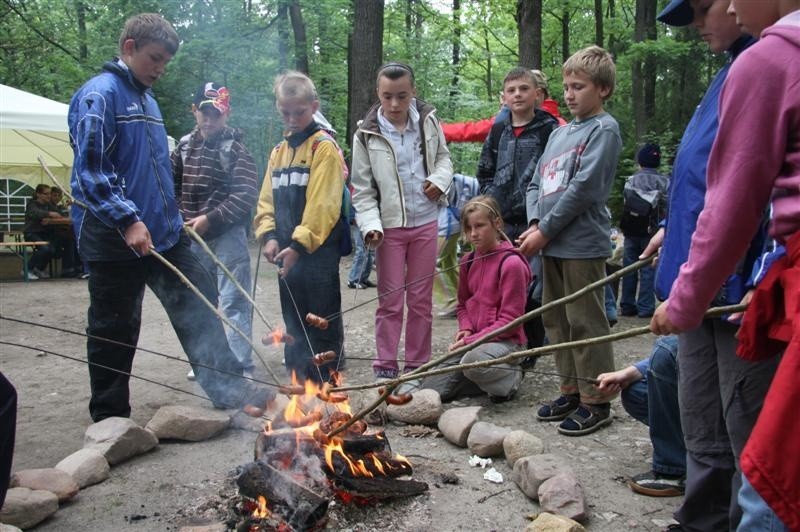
(640, 212)
(225, 149)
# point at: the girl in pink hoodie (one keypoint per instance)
(491, 293)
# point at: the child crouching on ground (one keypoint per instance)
(489, 297)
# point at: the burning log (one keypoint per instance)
(302, 508)
(378, 489)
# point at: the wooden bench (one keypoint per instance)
(21, 249)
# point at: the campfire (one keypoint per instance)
(298, 470)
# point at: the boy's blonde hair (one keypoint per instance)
(294, 85)
(145, 28)
(487, 204)
(596, 63)
(540, 79)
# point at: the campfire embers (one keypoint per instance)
(298, 470)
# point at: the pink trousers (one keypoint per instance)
(406, 257)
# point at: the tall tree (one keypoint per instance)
(299, 29)
(643, 68)
(456, 56)
(364, 53)
(598, 22)
(529, 26)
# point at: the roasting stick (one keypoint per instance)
(138, 348)
(199, 239)
(403, 287)
(185, 280)
(526, 317)
(538, 352)
(76, 359)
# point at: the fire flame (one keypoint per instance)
(306, 412)
(261, 511)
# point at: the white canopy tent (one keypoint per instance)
(32, 126)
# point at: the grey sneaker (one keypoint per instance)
(190, 375)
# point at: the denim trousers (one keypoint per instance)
(720, 397)
(654, 401)
(116, 290)
(756, 514)
(406, 266)
(362, 258)
(312, 285)
(231, 250)
(642, 304)
(40, 258)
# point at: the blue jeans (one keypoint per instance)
(362, 259)
(611, 304)
(654, 401)
(645, 304)
(231, 249)
(756, 514)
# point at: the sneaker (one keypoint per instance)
(408, 387)
(355, 285)
(40, 273)
(30, 277)
(368, 284)
(558, 409)
(84, 275)
(655, 484)
(449, 313)
(190, 375)
(586, 419)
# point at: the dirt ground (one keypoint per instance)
(179, 483)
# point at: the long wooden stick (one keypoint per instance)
(202, 243)
(185, 280)
(538, 351)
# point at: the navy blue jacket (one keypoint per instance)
(122, 170)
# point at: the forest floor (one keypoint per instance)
(181, 483)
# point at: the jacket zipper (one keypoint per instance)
(155, 164)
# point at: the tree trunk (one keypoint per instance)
(643, 71)
(83, 52)
(565, 35)
(283, 34)
(456, 51)
(365, 53)
(529, 27)
(299, 29)
(598, 22)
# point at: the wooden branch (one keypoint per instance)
(524, 318)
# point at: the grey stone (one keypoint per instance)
(455, 424)
(519, 444)
(9, 528)
(486, 439)
(49, 479)
(25, 508)
(119, 438)
(562, 494)
(424, 409)
(86, 466)
(188, 423)
(530, 471)
(546, 522)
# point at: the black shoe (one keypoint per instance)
(655, 484)
(558, 409)
(586, 419)
(611, 323)
(368, 284)
(355, 285)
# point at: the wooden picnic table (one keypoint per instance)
(22, 250)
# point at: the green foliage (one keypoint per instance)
(240, 43)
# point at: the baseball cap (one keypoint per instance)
(677, 13)
(212, 94)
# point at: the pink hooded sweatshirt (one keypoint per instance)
(492, 292)
(755, 161)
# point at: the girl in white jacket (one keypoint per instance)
(401, 169)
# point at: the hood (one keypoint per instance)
(788, 29)
(118, 67)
